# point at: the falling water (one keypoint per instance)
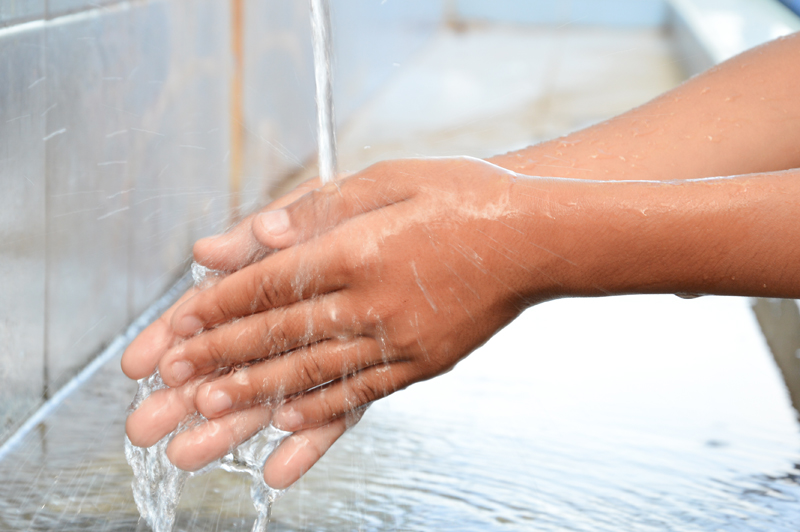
(158, 484)
(321, 27)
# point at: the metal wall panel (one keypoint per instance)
(116, 148)
(279, 112)
(15, 11)
(22, 223)
(57, 8)
(88, 60)
(372, 39)
(178, 138)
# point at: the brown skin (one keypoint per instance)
(393, 275)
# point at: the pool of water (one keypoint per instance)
(631, 413)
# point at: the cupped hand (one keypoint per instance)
(161, 413)
(386, 278)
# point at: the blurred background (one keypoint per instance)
(128, 129)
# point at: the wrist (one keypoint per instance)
(714, 236)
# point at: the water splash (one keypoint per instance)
(321, 27)
(158, 484)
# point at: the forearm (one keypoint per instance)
(727, 236)
(738, 118)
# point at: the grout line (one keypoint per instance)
(116, 347)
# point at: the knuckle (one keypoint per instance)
(214, 352)
(309, 373)
(327, 411)
(278, 339)
(364, 391)
(265, 293)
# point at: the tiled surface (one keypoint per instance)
(177, 132)
(457, 98)
(22, 224)
(278, 95)
(15, 11)
(87, 175)
(130, 122)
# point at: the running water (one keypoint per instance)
(157, 484)
(326, 134)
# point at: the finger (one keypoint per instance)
(160, 414)
(199, 446)
(263, 335)
(323, 208)
(142, 355)
(238, 247)
(300, 451)
(286, 277)
(325, 404)
(289, 374)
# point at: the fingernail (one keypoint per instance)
(188, 325)
(181, 371)
(274, 222)
(288, 419)
(219, 401)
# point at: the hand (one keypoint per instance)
(165, 409)
(387, 278)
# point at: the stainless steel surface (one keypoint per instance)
(278, 95)
(88, 213)
(57, 8)
(130, 122)
(177, 131)
(16, 11)
(22, 224)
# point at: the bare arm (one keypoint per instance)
(740, 117)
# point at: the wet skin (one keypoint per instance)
(342, 294)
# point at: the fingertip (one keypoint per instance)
(290, 461)
(228, 251)
(288, 419)
(140, 358)
(273, 229)
(186, 324)
(156, 417)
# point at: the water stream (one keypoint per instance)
(158, 484)
(326, 134)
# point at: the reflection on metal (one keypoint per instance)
(780, 322)
(707, 32)
(115, 348)
(236, 107)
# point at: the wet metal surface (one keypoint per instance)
(88, 218)
(22, 224)
(16, 11)
(177, 132)
(115, 141)
(634, 413)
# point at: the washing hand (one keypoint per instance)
(387, 278)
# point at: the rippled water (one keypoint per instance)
(634, 413)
